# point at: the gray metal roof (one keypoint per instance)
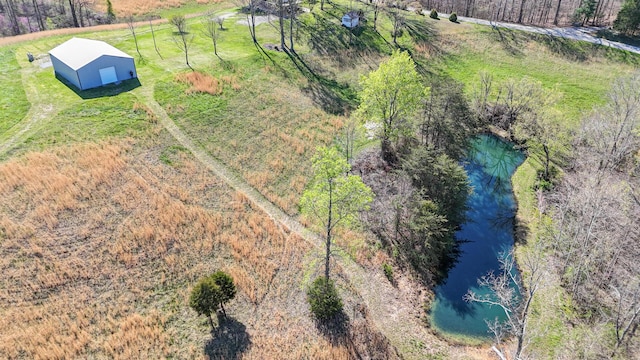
(78, 52)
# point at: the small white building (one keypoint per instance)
(351, 19)
(91, 63)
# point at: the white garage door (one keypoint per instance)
(108, 75)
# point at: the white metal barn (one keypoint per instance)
(91, 63)
(351, 19)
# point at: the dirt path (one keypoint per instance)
(40, 109)
(390, 315)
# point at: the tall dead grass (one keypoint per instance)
(99, 244)
(203, 83)
(140, 7)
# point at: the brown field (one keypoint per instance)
(139, 7)
(99, 244)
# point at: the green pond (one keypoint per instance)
(487, 232)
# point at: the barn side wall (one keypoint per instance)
(65, 71)
(90, 73)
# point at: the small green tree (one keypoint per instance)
(334, 197)
(433, 14)
(226, 286)
(628, 19)
(390, 96)
(324, 299)
(111, 16)
(453, 17)
(586, 11)
(205, 298)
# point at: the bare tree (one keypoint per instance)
(612, 131)
(249, 7)
(596, 210)
(181, 37)
(73, 4)
(292, 12)
(153, 35)
(212, 31)
(626, 297)
(397, 22)
(513, 293)
(13, 17)
(347, 137)
(376, 5)
(131, 24)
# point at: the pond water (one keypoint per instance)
(487, 232)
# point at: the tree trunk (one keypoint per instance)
(291, 23)
(36, 9)
(153, 35)
(13, 18)
(375, 15)
(547, 160)
(329, 226)
(224, 312)
(521, 11)
(213, 328)
(74, 16)
(281, 23)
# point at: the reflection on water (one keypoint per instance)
(487, 232)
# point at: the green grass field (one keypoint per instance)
(13, 102)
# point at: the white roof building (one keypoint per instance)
(91, 63)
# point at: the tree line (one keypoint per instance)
(26, 16)
(539, 12)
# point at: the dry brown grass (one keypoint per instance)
(99, 244)
(139, 7)
(204, 83)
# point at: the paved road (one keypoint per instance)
(574, 33)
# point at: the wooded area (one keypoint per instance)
(542, 12)
(25, 16)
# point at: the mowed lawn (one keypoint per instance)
(13, 102)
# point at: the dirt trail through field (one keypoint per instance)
(389, 313)
(41, 109)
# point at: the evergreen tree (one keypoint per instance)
(628, 20)
(111, 16)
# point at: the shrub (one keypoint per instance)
(453, 17)
(205, 298)
(419, 11)
(212, 292)
(323, 299)
(388, 271)
(226, 286)
(433, 14)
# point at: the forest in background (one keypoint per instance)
(26, 16)
(539, 12)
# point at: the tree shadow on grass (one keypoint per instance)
(419, 30)
(230, 339)
(509, 39)
(357, 335)
(335, 329)
(331, 96)
(102, 91)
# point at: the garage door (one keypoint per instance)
(108, 75)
